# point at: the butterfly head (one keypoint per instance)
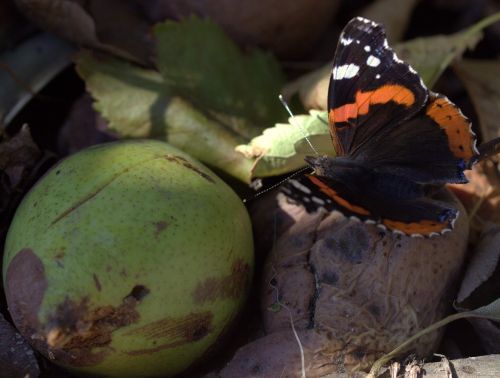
(321, 164)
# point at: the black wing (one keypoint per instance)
(371, 89)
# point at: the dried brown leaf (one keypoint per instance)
(483, 263)
(111, 26)
(393, 14)
(288, 28)
(19, 159)
(482, 80)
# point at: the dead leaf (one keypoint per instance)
(481, 195)
(65, 18)
(393, 14)
(110, 26)
(489, 334)
(27, 68)
(312, 88)
(483, 263)
(288, 28)
(21, 163)
(83, 127)
(18, 154)
(481, 284)
(13, 27)
(482, 80)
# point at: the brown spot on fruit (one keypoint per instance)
(60, 254)
(139, 292)
(180, 160)
(25, 286)
(179, 331)
(96, 282)
(75, 329)
(159, 227)
(231, 286)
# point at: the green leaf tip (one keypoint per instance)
(282, 148)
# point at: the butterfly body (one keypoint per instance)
(395, 141)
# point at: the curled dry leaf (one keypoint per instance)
(480, 285)
(394, 14)
(17, 359)
(488, 333)
(18, 157)
(112, 26)
(26, 69)
(481, 195)
(351, 291)
(287, 28)
(483, 263)
(83, 127)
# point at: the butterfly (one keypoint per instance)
(394, 140)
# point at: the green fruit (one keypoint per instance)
(127, 259)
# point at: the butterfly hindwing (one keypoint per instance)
(419, 216)
(433, 147)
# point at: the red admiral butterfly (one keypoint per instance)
(394, 139)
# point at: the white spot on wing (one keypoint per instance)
(367, 48)
(377, 76)
(300, 187)
(345, 71)
(396, 59)
(346, 41)
(317, 200)
(373, 61)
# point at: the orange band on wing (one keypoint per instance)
(363, 100)
(456, 126)
(335, 196)
(424, 227)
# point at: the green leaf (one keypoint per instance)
(282, 148)
(137, 104)
(202, 64)
(430, 56)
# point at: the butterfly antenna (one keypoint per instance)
(285, 105)
(245, 200)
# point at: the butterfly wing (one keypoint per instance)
(411, 216)
(433, 147)
(371, 89)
